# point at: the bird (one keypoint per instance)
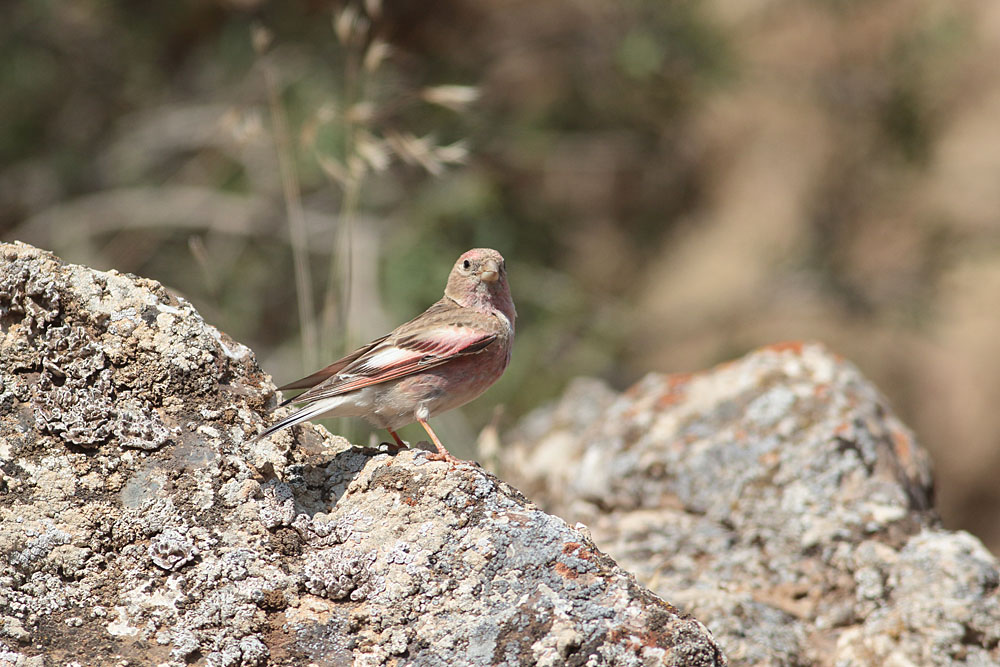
(441, 359)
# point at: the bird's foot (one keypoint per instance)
(446, 457)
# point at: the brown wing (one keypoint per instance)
(439, 334)
(391, 361)
(436, 310)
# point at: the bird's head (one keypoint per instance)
(479, 278)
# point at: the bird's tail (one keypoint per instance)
(305, 414)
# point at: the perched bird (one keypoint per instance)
(443, 358)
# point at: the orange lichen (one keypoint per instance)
(786, 346)
(675, 392)
(566, 571)
(902, 443)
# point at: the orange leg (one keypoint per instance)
(442, 453)
(396, 438)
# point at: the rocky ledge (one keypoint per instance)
(136, 528)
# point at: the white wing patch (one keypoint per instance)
(387, 356)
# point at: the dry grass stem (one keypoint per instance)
(296, 220)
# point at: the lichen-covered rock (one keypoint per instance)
(136, 528)
(778, 499)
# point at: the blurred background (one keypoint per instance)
(673, 183)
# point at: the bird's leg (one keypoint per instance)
(396, 438)
(442, 453)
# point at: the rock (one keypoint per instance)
(136, 528)
(779, 500)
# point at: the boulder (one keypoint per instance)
(137, 528)
(779, 500)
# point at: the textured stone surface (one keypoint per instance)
(135, 528)
(779, 500)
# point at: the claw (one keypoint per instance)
(446, 457)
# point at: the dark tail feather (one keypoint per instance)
(331, 370)
(305, 414)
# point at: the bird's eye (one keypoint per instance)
(466, 264)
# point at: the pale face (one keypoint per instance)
(479, 273)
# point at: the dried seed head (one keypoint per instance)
(261, 38)
(377, 52)
(344, 23)
(373, 8)
(360, 113)
(455, 153)
(333, 168)
(373, 151)
(415, 150)
(326, 113)
(244, 126)
(456, 98)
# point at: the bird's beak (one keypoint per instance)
(490, 272)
